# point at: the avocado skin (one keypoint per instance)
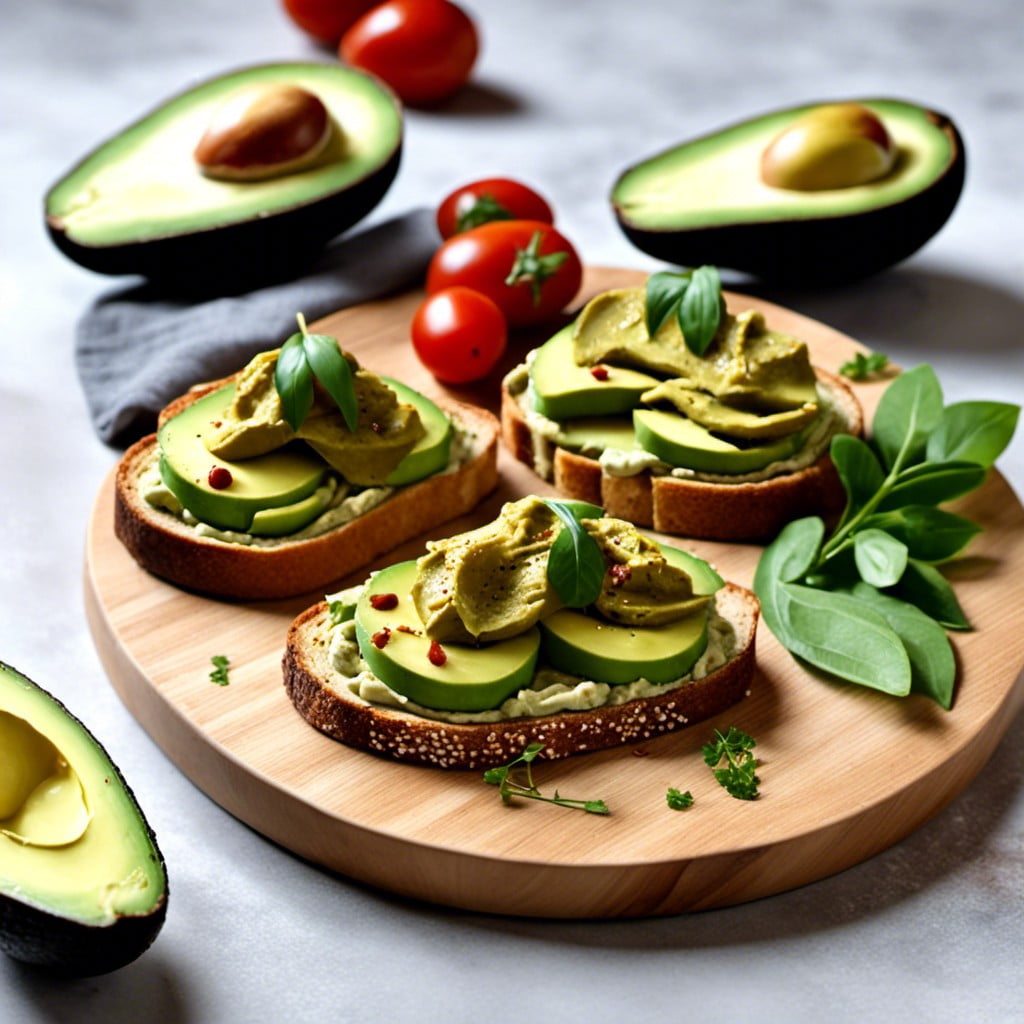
(275, 245)
(237, 257)
(62, 945)
(815, 251)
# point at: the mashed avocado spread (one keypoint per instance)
(509, 620)
(748, 408)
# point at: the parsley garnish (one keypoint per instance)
(738, 776)
(511, 787)
(219, 675)
(861, 366)
(678, 801)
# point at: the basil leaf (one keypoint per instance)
(700, 309)
(844, 636)
(861, 366)
(909, 410)
(576, 566)
(858, 469)
(787, 558)
(293, 379)
(973, 432)
(930, 534)
(880, 558)
(924, 586)
(664, 290)
(333, 371)
(932, 663)
(930, 483)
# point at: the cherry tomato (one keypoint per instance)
(459, 335)
(423, 49)
(326, 20)
(490, 199)
(525, 266)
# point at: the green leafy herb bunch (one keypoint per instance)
(867, 603)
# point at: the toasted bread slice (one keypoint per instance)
(404, 736)
(169, 548)
(743, 510)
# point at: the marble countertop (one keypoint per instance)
(565, 95)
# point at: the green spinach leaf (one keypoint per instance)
(973, 432)
(908, 411)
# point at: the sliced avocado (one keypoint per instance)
(139, 204)
(716, 415)
(703, 201)
(287, 477)
(589, 646)
(83, 888)
(682, 442)
(563, 390)
(472, 678)
(432, 451)
(592, 436)
(705, 579)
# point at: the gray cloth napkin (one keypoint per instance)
(136, 350)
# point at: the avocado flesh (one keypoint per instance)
(564, 390)
(704, 578)
(704, 202)
(472, 678)
(78, 896)
(287, 477)
(140, 204)
(683, 442)
(606, 652)
(593, 436)
(431, 453)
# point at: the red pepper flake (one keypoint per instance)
(381, 637)
(620, 574)
(408, 629)
(436, 654)
(219, 478)
(376, 427)
(544, 534)
(599, 372)
(383, 602)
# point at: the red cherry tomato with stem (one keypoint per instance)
(526, 267)
(424, 49)
(479, 202)
(326, 20)
(459, 335)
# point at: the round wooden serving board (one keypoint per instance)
(845, 772)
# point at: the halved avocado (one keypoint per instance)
(83, 889)
(139, 204)
(703, 201)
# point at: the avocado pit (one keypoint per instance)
(837, 145)
(262, 131)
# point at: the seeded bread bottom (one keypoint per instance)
(407, 737)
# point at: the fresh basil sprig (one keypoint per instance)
(867, 603)
(305, 356)
(695, 297)
(576, 566)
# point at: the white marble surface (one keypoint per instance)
(566, 95)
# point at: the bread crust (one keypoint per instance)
(170, 549)
(745, 511)
(406, 737)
